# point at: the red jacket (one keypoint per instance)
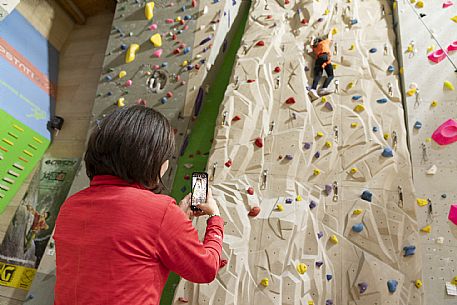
(117, 242)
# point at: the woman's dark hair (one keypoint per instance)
(131, 143)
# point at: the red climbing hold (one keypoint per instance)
(254, 212)
(290, 101)
(174, 37)
(250, 191)
(259, 142)
(251, 81)
(304, 21)
(269, 16)
(228, 163)
(183, 300)
(236, 118)
(260, 43)
(175, 130)
(194, 3)
(278, 69)
(197, 66)
(169, 94)
(286, 2)
(181, 22)
(177, 51)
(186, 177)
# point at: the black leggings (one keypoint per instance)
(318, 71)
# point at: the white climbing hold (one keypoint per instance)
(432, 170)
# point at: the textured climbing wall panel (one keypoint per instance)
(421, 36)
(316, 239)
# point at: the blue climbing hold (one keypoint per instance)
(190, 67)
(354, 21)
(375, 129)
(329, 277)
(109, 93)
(187, 17)
(391, 69)
(288, 200)
(387, 152)
(373, 50)
(183, 8)
(418, 125)
(409, 250)
(215, 1)
(164, 64)
(124, 47)
(164, 100)
(312, 204)
(367, 196)
(179, 32)
(357, 228)
(183, 189)
(108, 78)
(392, 285)
(356, 97)
(319, 264)
(186, 50)
(320, 19)
(382, 100)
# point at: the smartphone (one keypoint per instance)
(199, 189)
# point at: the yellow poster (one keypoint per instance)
(16, 276)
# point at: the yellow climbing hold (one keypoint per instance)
(178, 19)
(454, 280)
(359, 108)
(420, 4)
(448, 85)
(299, 198)
(121, 102)
(428, 140)
(316, 172)
(149, 10)
(320, 134)
(323, 99)
(334, 31)
(156, 40)
(350, 85)
(279, 207)
(184, 63)
(334, 239)
(357, 211)
(335, 66)
(431, 48)
(386, 136)
(302, 268)
(411, 91)
(130, 54)
(310, 302)
(354, 125)
(454, 19)
(328, 144)
(264, 282)
(402, 70)
(395, 5)
(422, 202)
(418, 283)
(326, 12)
(434, 103)
(412, 1)
(122, 74)
(354, 170)
(352, 47)
(427, 229)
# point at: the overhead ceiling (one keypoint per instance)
(80, 10)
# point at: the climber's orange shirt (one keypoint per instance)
(322, 47)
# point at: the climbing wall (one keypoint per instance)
(426, 29)
(157, 56)
(317, 196)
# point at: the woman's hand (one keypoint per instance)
(184, 205)
(208, 208)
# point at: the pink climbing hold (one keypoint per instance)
(168, 20)
(185, 28)
(452, 47)
(153, 27)
(446, 133)
(447, 4)
(437, 56)
(156, 67)
(194, 3)
(128, 83)
(141, 102)
(453, 214)
(157, 53)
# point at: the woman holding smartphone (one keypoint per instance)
(117, 240)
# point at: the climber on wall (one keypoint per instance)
(321, 48)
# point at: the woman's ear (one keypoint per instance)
(164, 168)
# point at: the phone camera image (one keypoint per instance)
(199, 188)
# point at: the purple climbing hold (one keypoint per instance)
(289, 157)
(329, 302)
(373, 50)
(206, 40)
(319, 264)
(320, 234)
(329, 277)
(124, 47)
(328, 106)
(320, 19)
(289, 200)
(312, 204)
(362, 287)
(306, 68)
(328, 189)
(317, 155)
(307, 145)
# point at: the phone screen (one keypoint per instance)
(199, 188)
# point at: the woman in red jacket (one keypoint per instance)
(117, 240)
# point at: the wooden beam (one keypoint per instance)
(73, 10)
